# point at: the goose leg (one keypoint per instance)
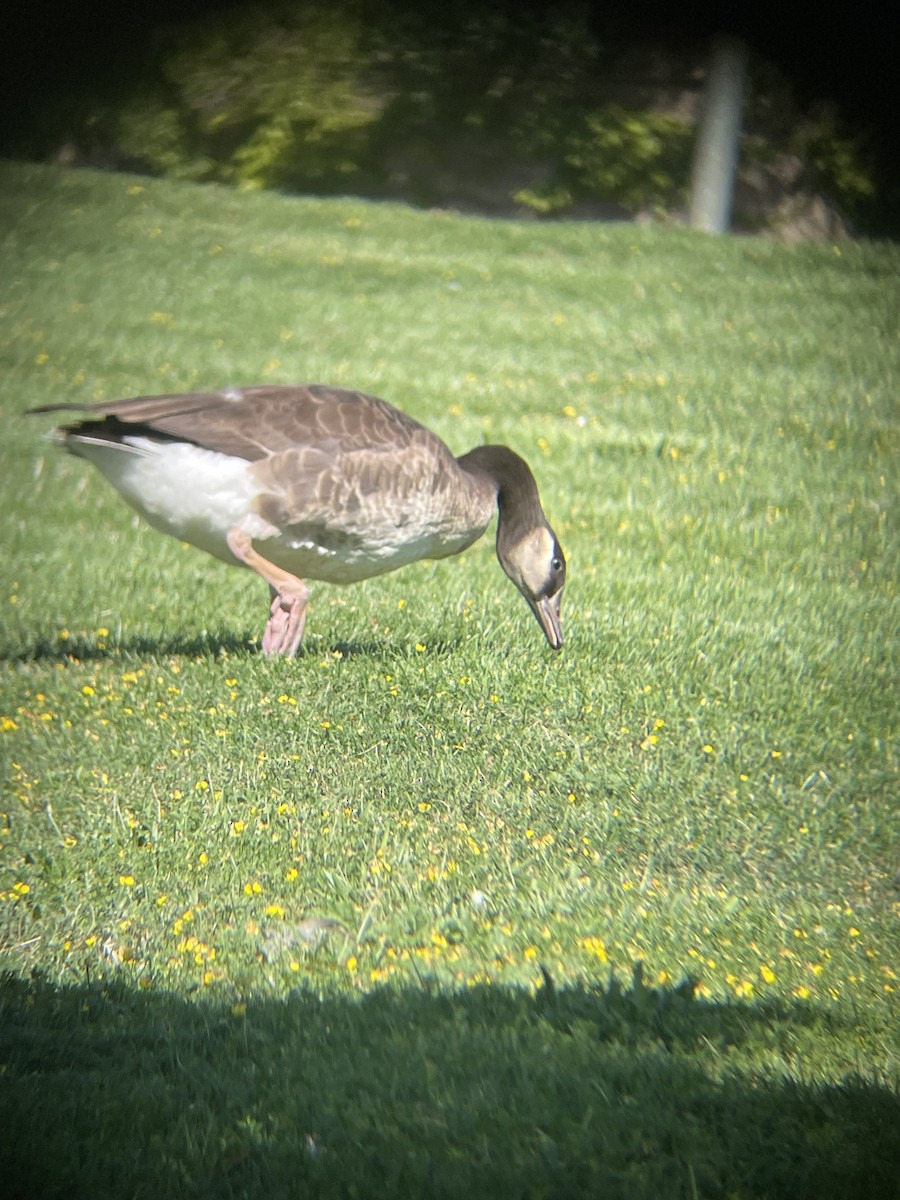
(287, 614)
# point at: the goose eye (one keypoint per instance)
(556, 564)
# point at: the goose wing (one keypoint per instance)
(257, 422)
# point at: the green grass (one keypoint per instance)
(620, 921)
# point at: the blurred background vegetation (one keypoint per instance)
(481, 109)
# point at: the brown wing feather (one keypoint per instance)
(255, 422)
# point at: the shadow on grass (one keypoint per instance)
(201, 645)
(85, 649)
(491, 1092)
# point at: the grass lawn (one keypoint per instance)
(432, 911)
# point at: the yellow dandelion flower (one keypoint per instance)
(352, 964)
(597, 947)
(767, 973)
(126, 880)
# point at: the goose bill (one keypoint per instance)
(546, 609)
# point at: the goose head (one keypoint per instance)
(528, 549)
(537, 566)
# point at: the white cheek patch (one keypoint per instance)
(530, 559)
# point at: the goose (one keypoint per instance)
(316, 482)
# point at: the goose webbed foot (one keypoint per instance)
(284, 628)
(287, 614)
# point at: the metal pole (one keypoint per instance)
(718, 137)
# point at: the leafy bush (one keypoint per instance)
(263, 99)
(642, 159)
(836, 157)
(436, 104)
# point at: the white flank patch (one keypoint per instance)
(195, 495)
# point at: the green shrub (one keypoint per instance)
(432, 104)
(265, 99)
(639, 159)
(836, 157)
(308, 98)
